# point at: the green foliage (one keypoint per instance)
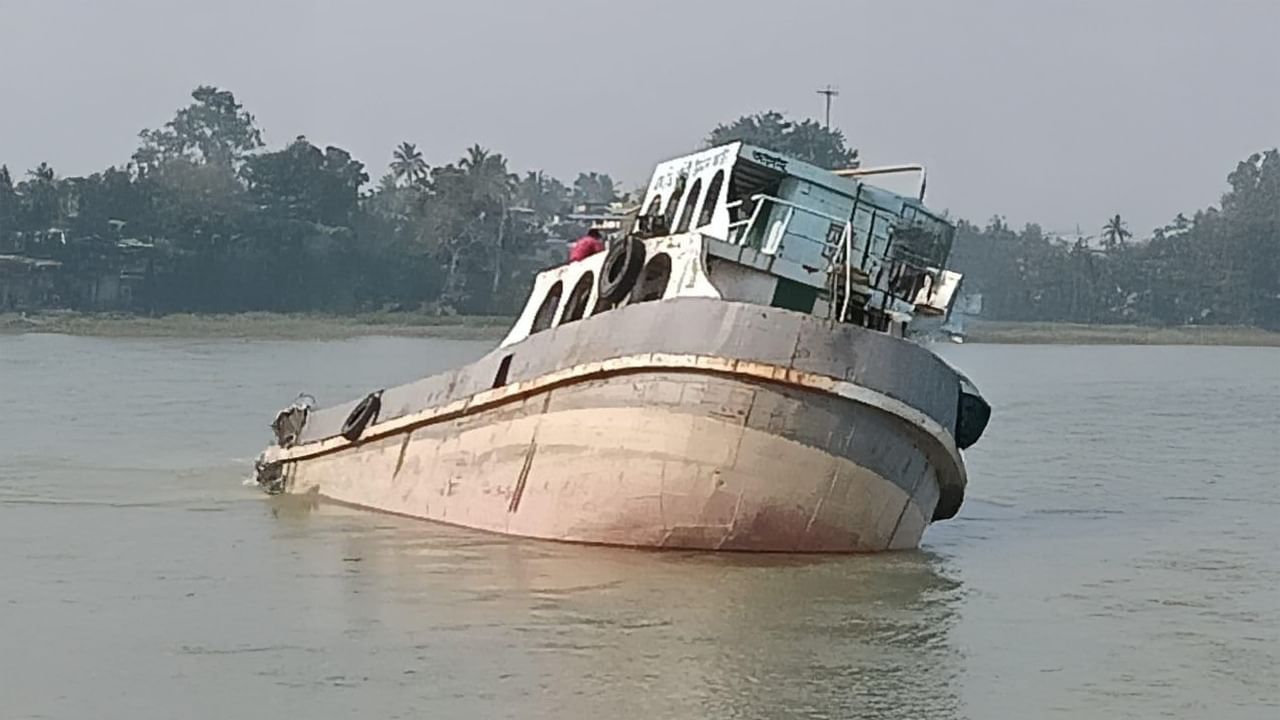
(302, 182)
(544, 195)
(594, 189)
(9, 203)
(1219, 267)
(806, 140)
(206, 220)
(214, 129)
(42, 207)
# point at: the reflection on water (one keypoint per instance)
(590, 631)
(1116, 558)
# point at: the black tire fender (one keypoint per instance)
(361, 416)
(972, 414)
(623, 262)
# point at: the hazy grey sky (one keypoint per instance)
(1052, 111)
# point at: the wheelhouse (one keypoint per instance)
(745, 224)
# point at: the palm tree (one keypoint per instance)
(407, 165)
(43, 204)
(1084, 280)
(491, 186)
(1114, 233)
(542, 194)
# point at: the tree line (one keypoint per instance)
(1218, 266)
(204, 218)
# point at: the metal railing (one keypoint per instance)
(842, 246)
(760, 199)
(841, 254)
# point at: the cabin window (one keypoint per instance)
(673, 202)
(576, 306)
(690, 202)
(547, 310)
(653, 280)
(655, 206)
(649, 223)
(712, 199)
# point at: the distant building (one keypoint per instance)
(94, 273)
(561, 230)
(609, 218)
(28, 283)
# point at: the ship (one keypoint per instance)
(736, 371)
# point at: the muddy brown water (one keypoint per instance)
(1118, 556)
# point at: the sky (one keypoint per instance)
(1050, 111)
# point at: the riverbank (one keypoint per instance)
(1027, 333)
(257, 325)
(280, 326)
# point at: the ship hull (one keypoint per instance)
(711, 451)
(653, 459)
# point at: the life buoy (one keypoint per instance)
(360, 417)
(623, 262)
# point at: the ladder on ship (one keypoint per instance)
(848, 285)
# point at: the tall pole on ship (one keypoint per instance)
(829, 92)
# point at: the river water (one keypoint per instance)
(1118, 556)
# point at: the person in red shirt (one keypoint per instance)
(586, 246)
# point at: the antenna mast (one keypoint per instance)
(829, 92)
